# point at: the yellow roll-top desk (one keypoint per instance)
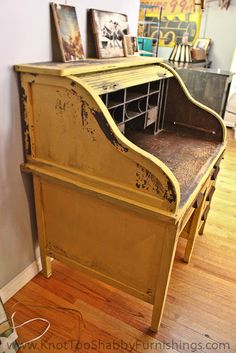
(124, 161)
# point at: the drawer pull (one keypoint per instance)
(198, 201)
(215, 173)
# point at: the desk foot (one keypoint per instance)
(46, 266)
(153, 329)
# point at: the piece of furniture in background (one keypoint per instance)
(198, 55)
(149, 28)
(145, 46)
(200, 50)
(230, 113)
(208, 86)
(124, 162)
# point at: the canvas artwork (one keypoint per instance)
(203, 43)
(108, 29)
(68, 32)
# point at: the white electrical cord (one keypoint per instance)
(27, 322)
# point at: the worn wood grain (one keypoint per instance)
(192, 155)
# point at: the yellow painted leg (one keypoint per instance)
(167, 259)
(46, 265)
(46, 260)
(193, 232)
(201, 231)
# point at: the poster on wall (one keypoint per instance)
(178, 18)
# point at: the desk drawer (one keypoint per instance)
(203, 200)
(205, 213)
(210, 193)
(151, 115)
(187, 216)
(215, 172)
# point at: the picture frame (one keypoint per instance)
(108, 30)
(130, 44)
(202, 43)
(68, 32)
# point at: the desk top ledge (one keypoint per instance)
(85, 66)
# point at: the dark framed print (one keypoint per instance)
(68, 32)
(109, 29)
(130, 45)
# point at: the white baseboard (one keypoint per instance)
(20, 280)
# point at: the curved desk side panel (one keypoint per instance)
(185, 113)
(67, 125)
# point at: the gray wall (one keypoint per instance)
(220, 26)
(25, 37)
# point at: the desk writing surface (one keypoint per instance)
(187, 157)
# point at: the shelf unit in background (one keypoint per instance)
(149, 27)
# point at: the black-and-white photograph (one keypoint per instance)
(109, 29)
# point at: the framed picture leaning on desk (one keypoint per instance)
(202, 43)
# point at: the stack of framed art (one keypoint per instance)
(110, 33)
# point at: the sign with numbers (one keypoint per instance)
(178, 19)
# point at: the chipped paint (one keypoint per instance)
(25, 124)
(62, 102)
(103, 124)
(170, 194)
(105, 127)
(147, 181)
(84, 115)
(84, 112)
(57, 249)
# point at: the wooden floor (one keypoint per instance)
(200, 313)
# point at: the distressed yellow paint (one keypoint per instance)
(90, 211)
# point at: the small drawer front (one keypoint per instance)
(210, 193)
(151, 116)
(205, 213)
(215, 173)
(198, 200)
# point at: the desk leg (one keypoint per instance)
(167, 259)
(46, 260)
(193, 232)
(201, 230)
